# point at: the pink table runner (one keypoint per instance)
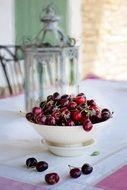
(7, 184)
(116, 181)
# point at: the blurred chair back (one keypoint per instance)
(11, 70)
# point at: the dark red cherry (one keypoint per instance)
(105, 110)
(41, 119)
(72, 105)
(83, 119)
(50, 120)
(63, 102)
(86, 169)
(56, 115)
(81, 94)
(52, 178)
(65, 96)
(105, 115)
(36, 110)
(91, 103)
(76, 115)
(87, 125)
(70, 123)
(75, 172)
(41, 166)
(80, 100)
(30, 116)
(56, 96)
(95, 108)
(95, 119)
(31, 162)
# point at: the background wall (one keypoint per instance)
(103, 30)
(7, 34)
(7, 30)
(27, 14)
(104, 35)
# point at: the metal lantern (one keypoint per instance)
(50, 66)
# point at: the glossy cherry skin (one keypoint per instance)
(80, 100)
(75, 172)
(42, 120)
(81, 94)
(105, 110)
(87, 125)
(95, 119)
(56, 115)
(68, 110)
(105, 114)
(31, 162)
(30, 116)
(36, 110)
(52, 178)
(65, 96)
(56, 96)
(91, 103)
(87, 169)
(50, 120)
(72, 105)
(41, 166)
(76, 116)
(63, 102)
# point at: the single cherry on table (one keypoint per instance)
(75, 172)
(52, 178)
(31, 162)
(86, 169)
(41, 166)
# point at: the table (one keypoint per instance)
(19, 141)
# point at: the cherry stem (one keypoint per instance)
(22, 113)
(50, 102)
(64, 115)
(83, 110)
(88, 112)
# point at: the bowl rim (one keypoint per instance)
(64, 127)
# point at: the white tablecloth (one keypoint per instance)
(19, 141)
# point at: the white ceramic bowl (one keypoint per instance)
(68, 151)
(68, 135)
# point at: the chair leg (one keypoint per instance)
(6, 76)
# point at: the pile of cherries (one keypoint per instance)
(68, 110)
(76, 172)
(53, 178)
(50, 178)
